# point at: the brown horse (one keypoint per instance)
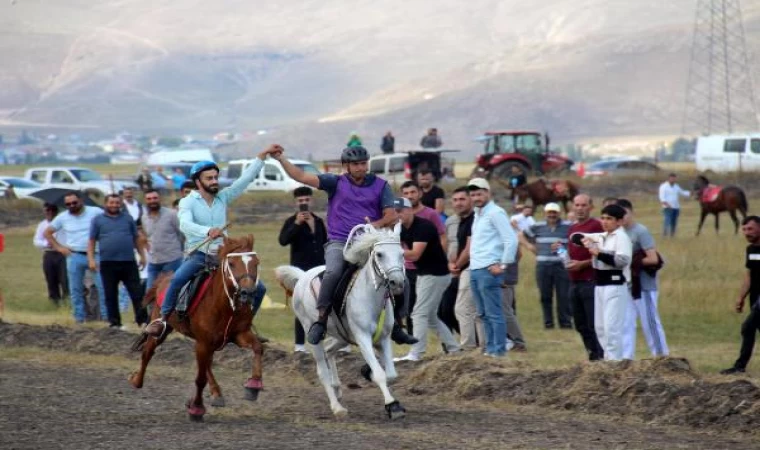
(715, 200)
(224, 314)
(542, 192)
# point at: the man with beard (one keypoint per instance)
(750, 287)
(432, 196)
(353, 198)
(75, 223)
(161, 227)
(203, 214)
(115, 233)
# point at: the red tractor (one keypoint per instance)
(524, 149)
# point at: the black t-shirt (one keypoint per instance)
(753, 265)
(428, 198)
(463, 232)
(433, 258)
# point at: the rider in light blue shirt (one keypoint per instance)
(203, 214)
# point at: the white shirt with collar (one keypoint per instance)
(618, 244)
(669, 194)
(133, 209)
(522, 222)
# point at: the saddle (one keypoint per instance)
(559, 187)
(710, 193)
(194, 290)
(339, 296)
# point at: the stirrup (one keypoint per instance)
(163, 323)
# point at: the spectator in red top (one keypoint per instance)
(582, 277)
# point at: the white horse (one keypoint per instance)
(368, 317)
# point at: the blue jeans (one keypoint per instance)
(76, 266)
(670, 221)
(154, 270)
(486, 292)
(190, 266)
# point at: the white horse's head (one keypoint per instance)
(382, 248)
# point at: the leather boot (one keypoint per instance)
(400, 337)
(318, 328)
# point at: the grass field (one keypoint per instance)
(697, 293)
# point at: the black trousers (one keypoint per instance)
(448, 302)
(551, 277)
(114, 272)
(300, 334)
(54, 268)
(582, 301)
(750, 327)
(410, 294)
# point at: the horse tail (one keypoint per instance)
(152, 293)
(743, 206)
(139, 343)
(288, 276)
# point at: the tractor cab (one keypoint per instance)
(527, 151)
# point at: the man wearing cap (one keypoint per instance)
(203, 215)
(354, 198)
(493, 245)
(422, 246)
(671, 208)
(551, 275)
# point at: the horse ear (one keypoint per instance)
(397, 228)
(251, 240)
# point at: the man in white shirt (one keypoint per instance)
(524, 219)
(671, 208)
(132, 206)
(53, 261)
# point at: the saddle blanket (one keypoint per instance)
(196, 298)
(559, 188)
(710, 193)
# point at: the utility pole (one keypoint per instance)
(720, 97)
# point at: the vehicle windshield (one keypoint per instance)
(86, 175)
(308, 168)
(21, 183)
(508, 143)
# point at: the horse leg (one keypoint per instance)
(253, 385)
(217, 399)
(732, 212)
(392, 407)
(323, 370)
(203, 355)
(150, 344)
(702, 216)
(386, 350)
(717, 223)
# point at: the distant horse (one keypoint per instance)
(368, 318)
(715, 200)
(223, 315)
(541, 192)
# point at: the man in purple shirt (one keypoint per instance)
(354, 198)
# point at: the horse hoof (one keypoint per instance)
(218, 402)
(196, 413)
(195, 418)
(133, 382)
(340, 412)
(366, 372)
(252, 394)
(395, 410)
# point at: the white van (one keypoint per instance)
(272, 176)
(187, 155)
(728, 153)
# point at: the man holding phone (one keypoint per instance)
(307, 235)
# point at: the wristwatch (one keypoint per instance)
(503, 266)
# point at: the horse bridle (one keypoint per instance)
(227, 273)
(377, 270)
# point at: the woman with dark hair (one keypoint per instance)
(53, 261)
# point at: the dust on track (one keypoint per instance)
(454, 402)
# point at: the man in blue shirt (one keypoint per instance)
(203, 214)
(115, 232)
(493, 246)
(75, 223)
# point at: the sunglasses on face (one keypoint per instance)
(70, 204)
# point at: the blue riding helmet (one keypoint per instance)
(354, 154)
(202, 166)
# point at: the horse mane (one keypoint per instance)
(704, 179)
(360, 248)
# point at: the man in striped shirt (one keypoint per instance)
(551, 275)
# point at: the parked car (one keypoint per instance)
(396, 168)
(168, 171)
(728, 153)
(77, 178)
(21, 187)
(621, 168)
(272, 176)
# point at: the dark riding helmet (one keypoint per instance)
(202, 166)
(354, 154)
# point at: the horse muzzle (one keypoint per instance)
(396, 286)
(247, 295)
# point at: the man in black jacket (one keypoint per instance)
(306, 234)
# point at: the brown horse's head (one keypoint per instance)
(700, 183)
(240, 268)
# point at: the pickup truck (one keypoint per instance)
(77, 178)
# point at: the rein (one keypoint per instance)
(227, 273)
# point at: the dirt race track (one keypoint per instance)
(50, 399)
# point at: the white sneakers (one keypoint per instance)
(300, 348)
(408, 357)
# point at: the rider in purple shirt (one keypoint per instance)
(354, 198)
